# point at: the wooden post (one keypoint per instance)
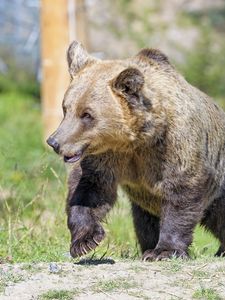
(55, 38)
(55, 78)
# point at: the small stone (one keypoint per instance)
(54, 268)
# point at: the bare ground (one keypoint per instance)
(108, 279)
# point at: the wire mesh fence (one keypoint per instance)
(19, 34)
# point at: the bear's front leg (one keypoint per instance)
(92, 193)
(181, 210)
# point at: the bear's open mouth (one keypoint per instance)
(77, 156)
(74, 158)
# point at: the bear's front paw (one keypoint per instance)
(86, 231)
(86, 243)
(159, 254)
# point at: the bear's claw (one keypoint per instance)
(80, 248)
(158, 254)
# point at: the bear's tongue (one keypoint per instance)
(74, 158)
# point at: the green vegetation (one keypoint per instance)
(206, 294)
(30, 193)
(24, 84)
(54, 295)
(33, 191)
(205, 66)
(18, 76)
(113, 285)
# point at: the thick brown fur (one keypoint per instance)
(139, 124)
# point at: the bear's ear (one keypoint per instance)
(129, 84)
(153, 54)
(77, 57)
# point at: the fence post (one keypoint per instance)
(54, 43)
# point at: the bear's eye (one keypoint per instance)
(86, 116)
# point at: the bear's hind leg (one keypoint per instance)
(214, 221)
(146, 228)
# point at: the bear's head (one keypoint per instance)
(108, 105)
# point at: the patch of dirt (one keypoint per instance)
(106, 279)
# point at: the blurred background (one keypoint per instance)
(34, 37)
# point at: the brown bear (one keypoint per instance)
(137, 123)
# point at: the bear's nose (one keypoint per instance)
(51, 141)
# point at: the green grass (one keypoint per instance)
(31, 197)
(114, 285)
(54, 294)
(206, 294)
(33, 191)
